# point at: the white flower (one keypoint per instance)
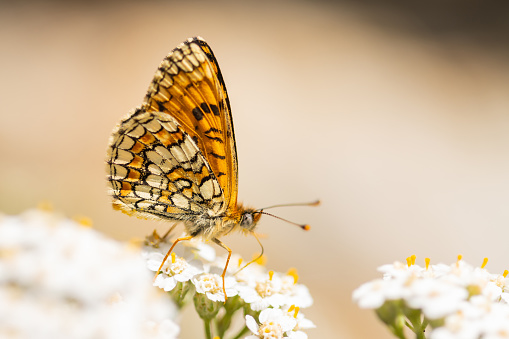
(164, 329)
(435, 298)
(302, 322)
(398, 270)
(175, 269)
(470, 302)
(422, 289)
(274, 290)
(477, 318)
(59, 279)
(212, 285)
(496, 323)
(373, 294)
(299, 295)
(496, 286)
(263, 293)
(273, 324)
(463, 274)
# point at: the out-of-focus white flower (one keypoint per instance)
(398, 270)
(436, 299)
(296, 335)
(162, 330)
(477, 318)
(273, 323)
(458, 301)
(59, 279)
(373, 294)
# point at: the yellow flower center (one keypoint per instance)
(211, 283)
(270, 330)
(265, 288)
(177, 265)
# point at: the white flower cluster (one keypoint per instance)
(456, 301)
(274, 298)
(59, 279)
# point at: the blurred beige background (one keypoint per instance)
(397, 118)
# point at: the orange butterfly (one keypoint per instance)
(175, 158)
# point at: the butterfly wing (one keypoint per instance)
(156, 170)
(188, 85)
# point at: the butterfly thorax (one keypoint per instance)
(210, 226)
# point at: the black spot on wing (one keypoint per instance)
(198, 114)
(222, 157)
(160, 106)
(215, 139)
(205, 107)
(215, 110)
(212, 129)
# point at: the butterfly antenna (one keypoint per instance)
(305, 227)
(313, 203)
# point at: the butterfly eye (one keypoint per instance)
(247, 220)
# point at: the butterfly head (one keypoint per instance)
(249, 219)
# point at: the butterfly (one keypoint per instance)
(174, 158)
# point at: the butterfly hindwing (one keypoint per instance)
(156, 169)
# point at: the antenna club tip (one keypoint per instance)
(316, 203)
(306, 227)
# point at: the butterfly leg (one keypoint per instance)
(220, 243)
(168, 254)
(154, 240)
(163, 238)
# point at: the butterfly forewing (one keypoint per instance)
(188, 85)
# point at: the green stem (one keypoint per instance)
(179, 293)
(223, 324)
(208, 333)
(241, 333)
(425, 323)
(231, 306)
(418, 326)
